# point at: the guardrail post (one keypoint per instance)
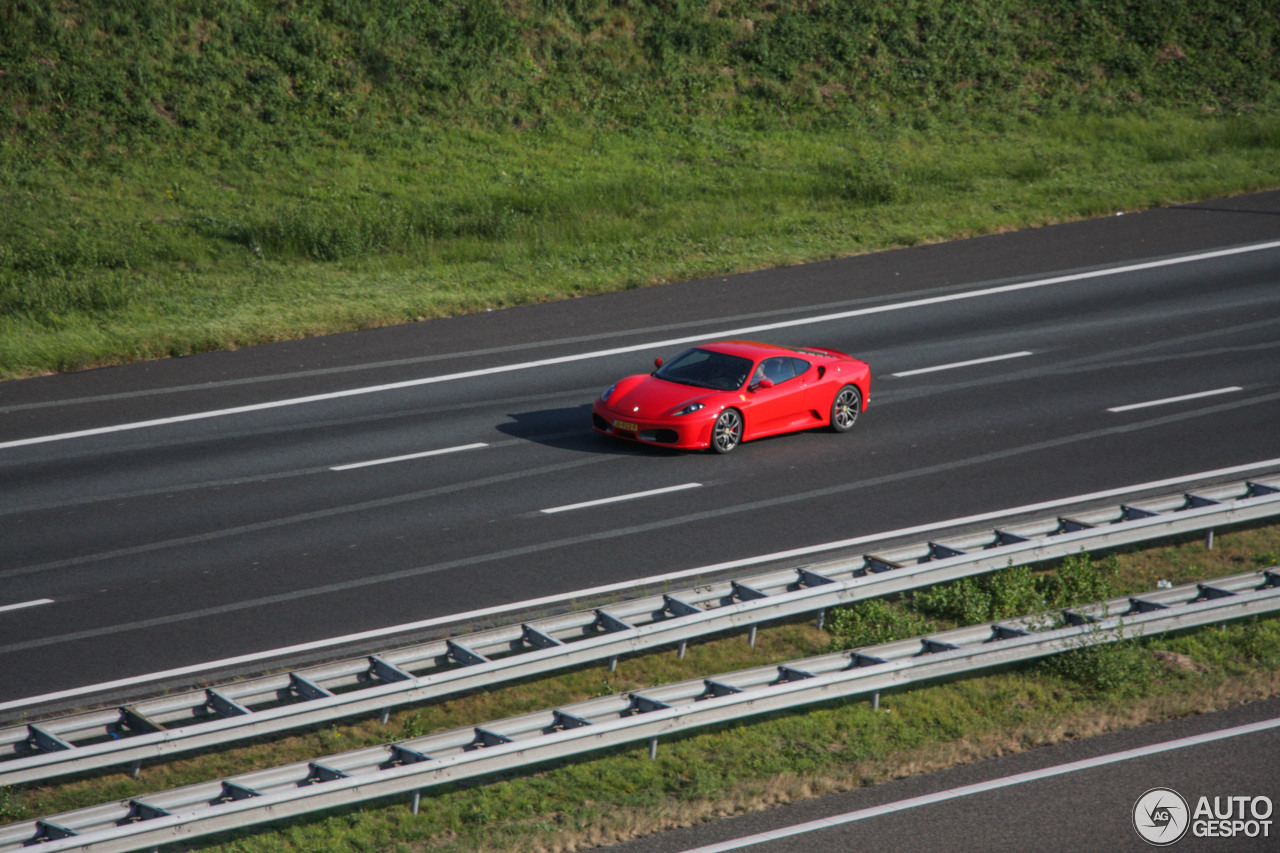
(386, 715)
(613, 664)
(822, 618)
(1208, 539)
(653, 749)
(417, 798)
(135, 769)
(875, 701)
(684, 644)
(751, 638)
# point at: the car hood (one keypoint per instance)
(650, 397)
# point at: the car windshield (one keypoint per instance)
(706, 369)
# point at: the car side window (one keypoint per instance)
(780, 369)
(799, 365)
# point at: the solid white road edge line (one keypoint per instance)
(472, 615)
(630, 497)
(983, 787)
(728, 333)
(1184, 397)
(25, 604)
(408, 456)
(970, 363)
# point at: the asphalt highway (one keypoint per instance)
(160, 515)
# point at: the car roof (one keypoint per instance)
(748, 349)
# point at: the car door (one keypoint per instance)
(781, 406)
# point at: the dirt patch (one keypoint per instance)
(1175, 662)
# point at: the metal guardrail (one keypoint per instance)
(474, 751)
(255, 707)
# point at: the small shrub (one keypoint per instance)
(1078, 579)
(963, 601)
(999, 595)
(1016, 591)
(1256, 641)
(1121, 668)
(413, 726)
(871, 622)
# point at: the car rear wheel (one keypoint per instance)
(845, 408)
(727, 431)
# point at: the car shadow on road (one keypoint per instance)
(569, 428)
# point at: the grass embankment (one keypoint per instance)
(783, 757)
(195, 176)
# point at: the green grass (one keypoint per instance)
(166, 261)
(778, 758)
(194, 176)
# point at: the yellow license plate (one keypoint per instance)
(630, 427)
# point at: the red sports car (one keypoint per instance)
(720, 394)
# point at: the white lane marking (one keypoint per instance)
(969, 363)
(255, 657)
(1167, 400)
(408, 456)
(983, 787)
(630, 497)
(25, 604)
(565, 359)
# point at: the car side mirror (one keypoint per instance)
(657, 362)
(761, 383)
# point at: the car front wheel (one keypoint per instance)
(727, 431)
(845, 408)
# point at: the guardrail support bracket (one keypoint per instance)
(387, 673)
(304, 688)
(223, 706)
(43, 741)
(46, 831)
(535, 639)
(322, 773)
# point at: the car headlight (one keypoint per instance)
(689, 409)
(604, 398)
